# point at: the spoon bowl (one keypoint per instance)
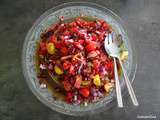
(112, 44)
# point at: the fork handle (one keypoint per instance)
(118, 88)
(129, 86)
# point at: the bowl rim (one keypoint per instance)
(49, 11)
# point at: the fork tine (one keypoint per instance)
(109, 38)
(112, 37)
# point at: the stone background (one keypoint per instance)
(142, 18)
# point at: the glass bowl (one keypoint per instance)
(70, 10)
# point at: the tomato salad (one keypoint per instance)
(72, 61)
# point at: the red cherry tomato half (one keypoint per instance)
(66, 65)
(84, 91)
(90, 46)
(68, 97)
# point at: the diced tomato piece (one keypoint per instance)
(64, 50)
(90, 46)
(105, 26)
(71, 70)
(74, 30)
(66, 65)
(79, 22)
(68, 97)
(58, 44)
(109, 66)
(81, 41)
(66, 32)
(82, 33)
(67, 85)
(78, 81)
(91, 24)
(72, 24)
(53, 39)
(62, 38)
(94, 37)
(42, 46)
(96, 64)
(84, 91)
(69, 94)
(42, 52)
(66, 78)
(101, 21)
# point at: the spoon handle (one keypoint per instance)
(118, 88)
(129, 86)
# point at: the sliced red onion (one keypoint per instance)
(102, 70)
(98, 32)
(95, 94)
(92, 54)
(42, 66)
(50, 67)
(100, 94)
(66, 37)
(50, 60)
(92, 90)
(83, 32)
(77, 102)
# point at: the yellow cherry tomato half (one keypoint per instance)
(96, 80)
(58, 70)
(51, 48)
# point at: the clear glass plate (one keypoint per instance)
(70, 10)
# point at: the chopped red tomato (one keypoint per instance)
(80, 22)
(90, 46)
(72, 24)
(66, 65)
(81, 41)
(73, 30)
(72, 70)
(67, 85)
(94, 37)
(68, 97)
(66, 33)
(109, 66)
(42, 46)
(53, 39)
(78, 81)
(64, 50)
(105, 26)
(84, 91)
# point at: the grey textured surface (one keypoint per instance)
(142, 18)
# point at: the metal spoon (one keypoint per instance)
(112, 44)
